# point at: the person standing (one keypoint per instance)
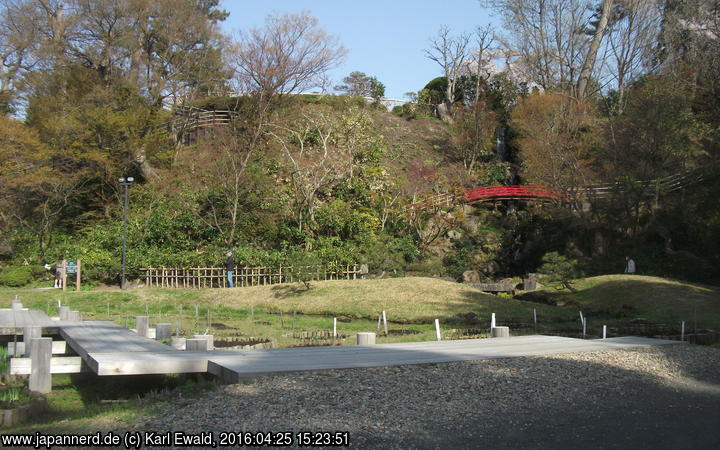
(58, 273)
(629, 266)
(230, 268)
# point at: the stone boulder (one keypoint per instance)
(470, 276)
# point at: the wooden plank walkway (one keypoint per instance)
(109, 349)
(233, 367)
(94, 336)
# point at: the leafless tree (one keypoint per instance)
(289, 54)
(483, 39)
(316, 160)
(18, 45)
(451, 53)
(546, 41)
(632, 42)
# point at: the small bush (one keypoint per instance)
(16, 276)
(559, 269)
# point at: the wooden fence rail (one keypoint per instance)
(216, 277)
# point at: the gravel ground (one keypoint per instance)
(655, 398)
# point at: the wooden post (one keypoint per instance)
(17, 304)
(63, 275)
(535, 318)
(30, 333)
(209, 338)
(334, 326)
(492, 321)
(73, 316)
(196, 345)
(142, 325)
(437, 328)
(500, 332)
(41, 352)
(584, 326)
(178, 343)
(63, 313)
(384, 316)
(162, 331)
(604, 331)
(77, 276)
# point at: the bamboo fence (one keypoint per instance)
(216, 277)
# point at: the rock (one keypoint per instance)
(454, 234)
(491, 268)
(470, 276)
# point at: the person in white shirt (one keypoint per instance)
(629, 265)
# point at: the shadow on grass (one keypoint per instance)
(289, 290)
(656, 299)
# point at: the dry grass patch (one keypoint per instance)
(414, 299)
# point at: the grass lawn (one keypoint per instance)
(410, 303)
(83, 403)
(653, 298)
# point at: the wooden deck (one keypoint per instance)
(13, 322)
(109, 349)
(232, 367)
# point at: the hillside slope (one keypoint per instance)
(654, 298)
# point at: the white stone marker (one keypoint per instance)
(73, 316)
(437, 329)
(366, 339)
(682, 331)
(63, 312)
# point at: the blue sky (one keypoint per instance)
(385, 39)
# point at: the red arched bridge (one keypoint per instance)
(538, 193)
(492, 193)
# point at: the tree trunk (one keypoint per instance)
(593, 49)
(444, 112)
(146, 169)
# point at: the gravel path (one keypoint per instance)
(655, 398)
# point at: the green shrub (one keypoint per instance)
(16, 276)
(557, 268)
